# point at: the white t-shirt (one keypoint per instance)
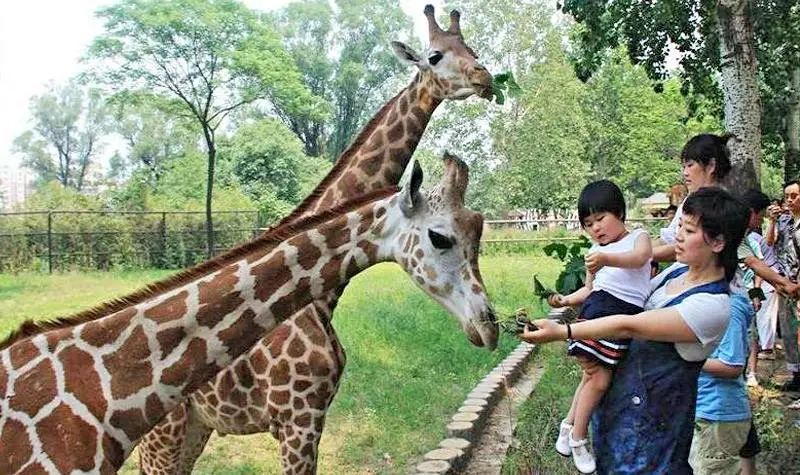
(706, 314)
(630, 285)
(668, 234)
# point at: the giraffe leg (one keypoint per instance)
(197, 434)
(299, 447)
(160, 449)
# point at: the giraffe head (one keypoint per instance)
(448, 66)
(437, 244)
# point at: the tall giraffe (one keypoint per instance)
(448, 69)
(79, 394)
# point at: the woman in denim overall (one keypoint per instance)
(644, 423)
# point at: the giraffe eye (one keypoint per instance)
(435, 58)
(440, 241)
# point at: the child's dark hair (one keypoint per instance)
(720, 215)
(599, 196)
(755, 200)
(705, 147)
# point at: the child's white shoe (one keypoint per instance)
(581, 457)
(562, 443)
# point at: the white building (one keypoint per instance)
(16, 184)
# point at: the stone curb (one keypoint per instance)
(466, 425)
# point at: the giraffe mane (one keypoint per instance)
(270, 238)
(342, 161)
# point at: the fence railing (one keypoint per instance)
(65, 240)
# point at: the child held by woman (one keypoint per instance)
(617, 282)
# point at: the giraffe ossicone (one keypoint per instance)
(78, 397)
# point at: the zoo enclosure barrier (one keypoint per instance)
(102, 240)
(66, 240)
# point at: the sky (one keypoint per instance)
(42, 41)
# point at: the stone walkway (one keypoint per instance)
(498, 434)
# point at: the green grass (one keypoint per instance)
(541, 415)
(409, 365)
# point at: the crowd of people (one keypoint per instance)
(666, 359)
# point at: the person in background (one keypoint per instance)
(617, 282)
(722, 415)
(784, 233)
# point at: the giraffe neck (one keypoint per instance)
(124, 372)
(378, 156)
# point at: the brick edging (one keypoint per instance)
(466, 425)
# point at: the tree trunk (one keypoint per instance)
(740, 92)
(791, 169)
(212, 154)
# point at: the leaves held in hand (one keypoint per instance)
(540, 290)
(502, 84)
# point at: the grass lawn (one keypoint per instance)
(409, 365)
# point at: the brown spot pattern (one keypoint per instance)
(169, 339)
(107, 330)
(310, 328)
(217, 298)
(276, 340)
(242, 335)
(270, 276)
(34, 389)
(130, 421)
(129, 366)
(307, 253)
(187, 366)
(16, 446)
(170, 309)
(21, 353)
(64, 437)
(82, 380)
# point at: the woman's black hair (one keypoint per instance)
(720, 215)
(599, 196)
(704, 147)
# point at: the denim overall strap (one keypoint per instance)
(645, 421)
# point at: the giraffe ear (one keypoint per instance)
(405, 53)
(411, 196)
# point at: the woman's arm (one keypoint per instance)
(640, 255)
(662, 324)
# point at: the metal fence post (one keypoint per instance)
(163, 236)
(50, 241)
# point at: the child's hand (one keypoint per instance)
(595, 261)
(756, 303)
(557, 301)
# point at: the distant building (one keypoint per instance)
(16, 184)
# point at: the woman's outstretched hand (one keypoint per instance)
(545, 331)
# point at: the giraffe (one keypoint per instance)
(79, 394)
(448, 70)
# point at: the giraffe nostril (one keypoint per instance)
(492, 317)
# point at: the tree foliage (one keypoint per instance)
(208, 57)
(69, 123)
(345, 57)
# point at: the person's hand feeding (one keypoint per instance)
(544, 331)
